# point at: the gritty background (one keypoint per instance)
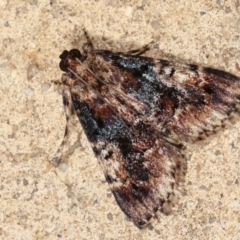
(39, 201)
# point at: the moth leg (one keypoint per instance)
(57, 82)
(69, 111)
(140, 51)
(88, 46)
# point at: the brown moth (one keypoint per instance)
(138, 113)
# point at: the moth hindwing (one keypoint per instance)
(138, 113)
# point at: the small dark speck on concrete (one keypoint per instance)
(200, 202)
(25, 182)
(202, 13)
(217, 153)
(203, 188)
(150, 227)
(109, 216)
(212, 220)
(70, 194)
(140, 8)
(228, 10)
(109, 195)
(6, 24)
(16, 196)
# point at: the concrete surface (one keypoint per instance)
(39, 201)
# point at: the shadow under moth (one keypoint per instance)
(138, 114)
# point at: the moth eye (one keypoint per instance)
(64, 54)
(75, 53)
(63, 66)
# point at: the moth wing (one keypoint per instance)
(154, 183)
(145, 173)
(134, 110)
(184, 101)
(207, 98)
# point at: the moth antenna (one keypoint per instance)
(88, 46)
(139, 51)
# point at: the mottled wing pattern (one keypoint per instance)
(136, 112)
(144, 172)
(184, 102)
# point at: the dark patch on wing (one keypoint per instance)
(193, 67)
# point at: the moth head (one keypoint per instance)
(69, 59)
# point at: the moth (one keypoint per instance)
(138, 114)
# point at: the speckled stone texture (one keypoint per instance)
(39, 201)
